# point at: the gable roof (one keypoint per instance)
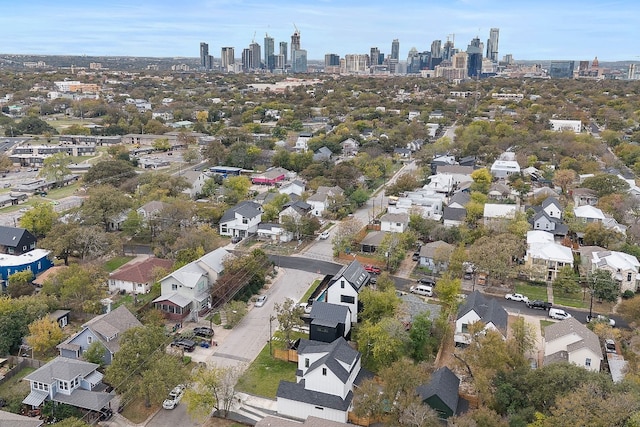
(454, 214)
(395, 217)
(588, 211)
(246, 209)
(571, 326)
(354, 273)
(321, 310)
(429, 250)
(444, 384)
(11, 236)
(297, 392)
(492, 210)
(489, 310)
(61, 368)
(109, 327)
(337, 351)
(461, 198)
(551, 201)
(140, 271)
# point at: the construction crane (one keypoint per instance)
(294, 26)
(253, 40)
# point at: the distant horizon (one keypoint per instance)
(164, 29)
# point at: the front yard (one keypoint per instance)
(264, 374)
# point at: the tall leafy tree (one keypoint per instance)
(44, 334)
(104, 205)
(289, 316)
(56, 167)
(213, 389)
(78, 287)
(603, 286)
(110, 172)
(40, 219)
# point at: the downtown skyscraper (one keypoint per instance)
(269, 52)
(492, 44)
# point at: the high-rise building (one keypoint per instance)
(448, 50)
(436, 49)
(561, 69)
(269, 51)
(356, 63)
(204, 55)
(413, 61)
(331, 59)
(474, 54)
(227, 58)
(295, 42)
(284, 50)
(492, 44)
(395, 49)
(247, 59)
(255, 55)
(299, 61)
(279, 62)
(374, 56)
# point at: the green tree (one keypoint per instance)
(56, 167)
(141, 368)
(566, 280)
(603, 286)
(94, 353)
(110, 172)
(289, 316)
(191, 155)
(423, 343)
(376, 305)
(495, 254)
(381, 343)
(77, 287)
(44, 335)
(40, 219)
(104, 205)
(20, 283)
(212, 389)
(605, 184)
(161, 144)
(482, 179)
(236, 189)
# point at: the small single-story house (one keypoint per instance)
(137, 276)
(441, 393)
(329, 322)
(394, 222)
(435, 255)
(478, 308)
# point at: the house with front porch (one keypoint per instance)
(106, 329)
(186, 293)
(544, 257)
(435, 255)
(68, 381)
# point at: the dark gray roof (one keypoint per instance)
(443, 384)
(454, 214)
(460, 197)
(297, 392)
(11, 236)
(327, 311)
(335, 352)
(489, 310)
(551, 201)
(108, 328)
(246, 209)
(560, 228)
(61, 368)
(354, 273)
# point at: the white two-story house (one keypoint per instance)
(571, 341)
(324, 382)
(544, 257)
(322, 198)
(623, 267)
(241, 220)
(345, 286)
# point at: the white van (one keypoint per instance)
(423, 290)
(558, 314)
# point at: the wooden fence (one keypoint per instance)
(286, 355)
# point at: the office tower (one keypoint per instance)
(227, 58)
(356, 63)
(295, 43)
(425, 60)
(204, 54)
(269, 51)
(474, 54)
(255, 55)
(247, 59)
(508, 59)
(374, 56)
(279, 62)
(395, 49)
(299, 61)
(436, 49)
(492, 44)
(284, 50)
(561, 69)
(331, 59)
(448, 50)
(413, 61)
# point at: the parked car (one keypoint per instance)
(174, 397)
(428, 281)
(324, 235)
(236, 239)
(105, 414)
(558, 314)
(610, 346)
(416, 256)
(203, 331)
(372, 269)
(261, 300)
(516, 297)
(185, 344)
(423, 290)
(601, 318)
(539, 304)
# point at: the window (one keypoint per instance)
(398, 224)
(342, 284)
(587, 362)
(245, 221)
(465, 328)
(628, 277)
(306, 362)
(89, 339)
(324, 372)
(347, 299)
(174, 287)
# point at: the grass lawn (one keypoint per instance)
(264, 375)
(117, 262)
(14, 390)
(137, 412)
(312, 288)
(570, 300)
(533, 292)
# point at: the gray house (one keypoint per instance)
(329, 322)
(105, 329)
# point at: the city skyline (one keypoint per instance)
(541, 30)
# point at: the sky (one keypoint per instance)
(529, 30)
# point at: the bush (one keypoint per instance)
(628, 294)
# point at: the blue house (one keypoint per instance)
(36, 260)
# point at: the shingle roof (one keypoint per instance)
(246, 209)
(297, 392)
(141, 271)
(9, 419)
(61, 368)
(571, 326)
(454, 214)
(11, 236)
(489, 310)
(354, 273)
(444, 384)
(429, 250)
(109, 327)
